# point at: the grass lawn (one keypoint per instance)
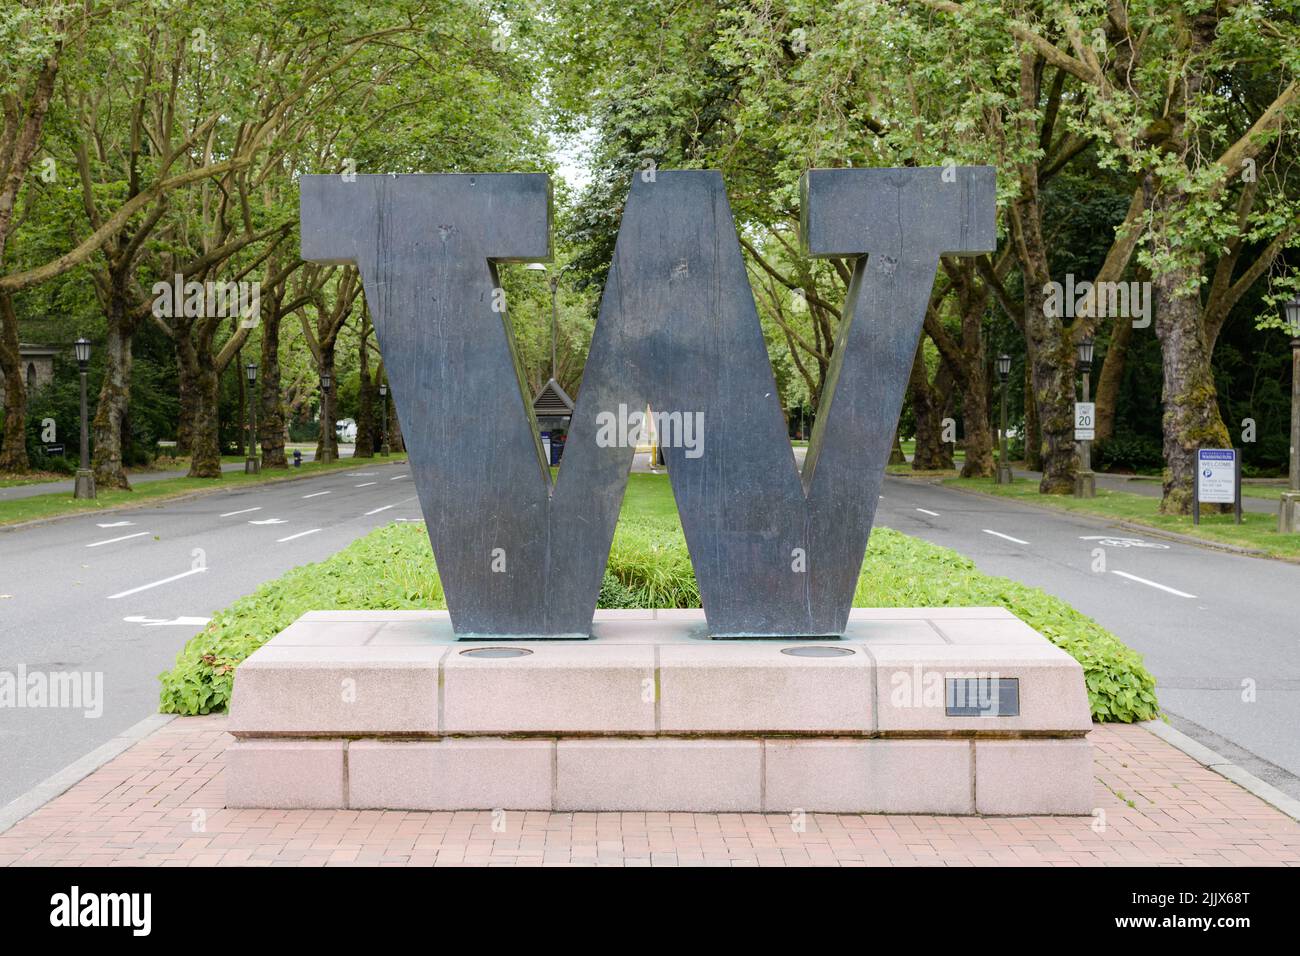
(1269, 492)
(159, 464)
(909, 448)
(909, 470)
(1258, 531)
(45, 506)
(31, 478)
(392, 568)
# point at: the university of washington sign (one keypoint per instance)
(777, 551)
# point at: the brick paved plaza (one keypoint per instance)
(161, 803)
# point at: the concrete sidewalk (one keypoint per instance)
(161, 803)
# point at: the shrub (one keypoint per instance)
(1129, 453)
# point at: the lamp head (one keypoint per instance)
(1085, 348)
(1291, 316)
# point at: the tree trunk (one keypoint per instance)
(1191, 406)
(932, 453)
(1052, 367)
(247, 440)
(1054, 388)
(896, 456)
(114, 400)
(13, 451)
(978, 434)
(328, 438)
(188, 394)
(395, 440)
(366, 429)
(270, 413)
(205, 458)
(1033, 437)
(1111, 378)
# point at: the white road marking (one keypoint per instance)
(146, 587)
(399, 478)
(316, 494)
(117, 524)
(231, 514)
(927, 511)
(999, 534)
(300, 534)
(367, 484)
(270, 521)
(1153, 584)
(125, 537)
(164, 622)
(361, 474)
(1116, 542)
(377, 510)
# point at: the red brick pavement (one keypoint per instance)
(161, 804)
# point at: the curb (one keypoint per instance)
(169, 499)
(1115, 523)
(62, 781)
(1223, 767)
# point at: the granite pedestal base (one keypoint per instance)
(942, 711)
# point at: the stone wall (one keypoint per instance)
(38, 369)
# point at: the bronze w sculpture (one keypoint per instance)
(776, 551)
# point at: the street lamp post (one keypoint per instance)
(85, 486)
(383, 428)
(326, 381)
(1288, 516)
(1085, 482)
(251, 464)
(1004, 466)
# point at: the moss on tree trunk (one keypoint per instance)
(270, 412)
(205, 458)
(13, 450)
(977, 438)
(114, 401)
(1191, 405)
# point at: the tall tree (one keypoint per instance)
(32, 38)
(1189, 98)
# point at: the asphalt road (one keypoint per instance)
(1219, 631)
(118, 594)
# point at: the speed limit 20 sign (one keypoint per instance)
(1085, 421)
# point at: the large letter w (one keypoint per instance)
(776, 552)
